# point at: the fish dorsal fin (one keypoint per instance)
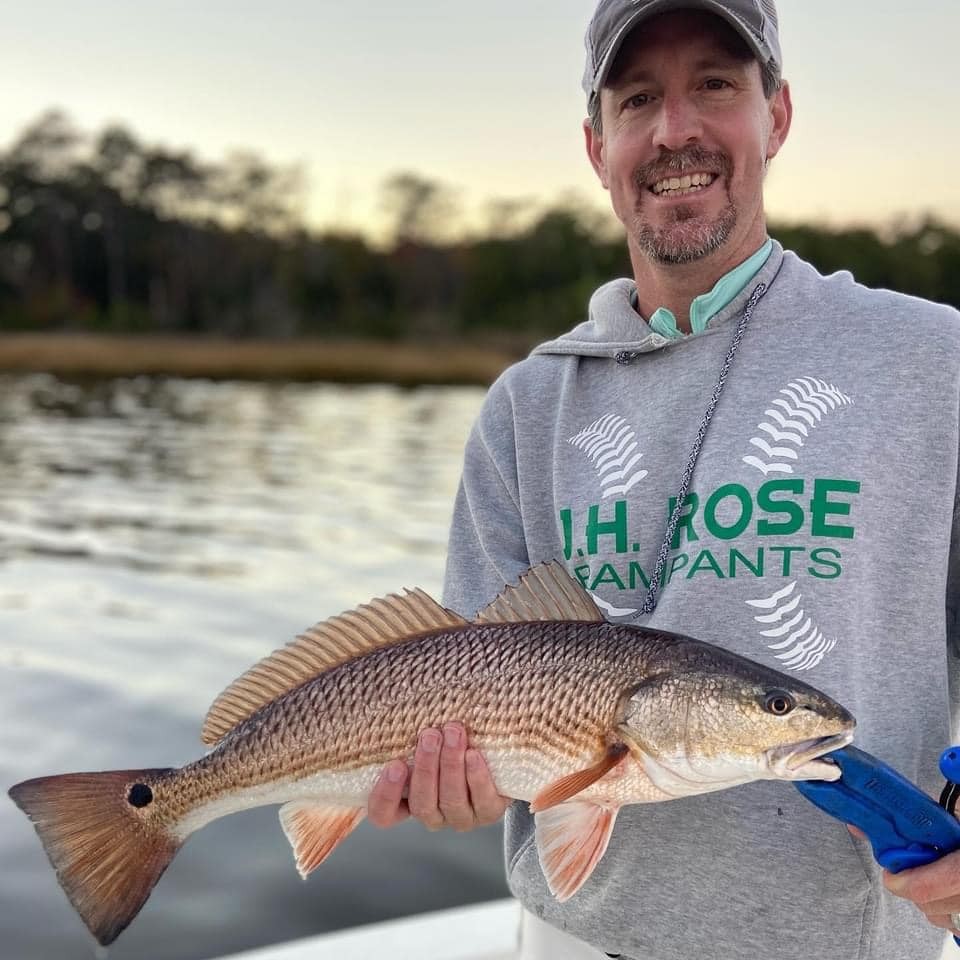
(380, 623)
(545, 592)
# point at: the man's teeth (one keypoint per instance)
(681, 185)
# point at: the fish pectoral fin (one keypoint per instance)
(574, 783)
(571, 839)
(314, 830)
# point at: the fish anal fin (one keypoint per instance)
(380, 623)
(544, 592)
(315, 830)
(571, 839)
(569, 786)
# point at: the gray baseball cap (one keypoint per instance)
(754, 20)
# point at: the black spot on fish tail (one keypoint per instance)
(140, 795)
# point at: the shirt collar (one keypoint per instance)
(707, 305)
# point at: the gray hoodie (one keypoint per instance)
(819, 538)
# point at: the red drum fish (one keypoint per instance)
(575, 715)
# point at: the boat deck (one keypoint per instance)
(485, 931)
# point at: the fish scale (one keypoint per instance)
(536, 699)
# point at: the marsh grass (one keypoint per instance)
(406, 364)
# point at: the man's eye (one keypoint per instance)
(638, 100)
(716, 84)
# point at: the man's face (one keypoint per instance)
(686, 136)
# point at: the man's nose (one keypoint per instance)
(678, 124)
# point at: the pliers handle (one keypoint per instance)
(906, 828)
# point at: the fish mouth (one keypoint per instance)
(804, 760)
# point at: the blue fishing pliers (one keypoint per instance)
(906, 828)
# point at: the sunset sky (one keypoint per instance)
(484, 98)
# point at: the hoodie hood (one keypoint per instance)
(614, 328)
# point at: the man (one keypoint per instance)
(809, 429)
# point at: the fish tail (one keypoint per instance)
(106, 838)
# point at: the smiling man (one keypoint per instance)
(680, 133)
(733, 447)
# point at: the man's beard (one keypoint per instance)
(687, 237)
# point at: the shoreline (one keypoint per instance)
(345, 361)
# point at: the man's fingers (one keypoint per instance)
(944, 906)
(488, 805)
(939, 880)
(454, 797)
(422, 796)
(385, 805)
(934, 889)
(449, 785)
(941, 920)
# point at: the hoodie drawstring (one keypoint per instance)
(650, 602)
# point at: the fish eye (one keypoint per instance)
(778, 702)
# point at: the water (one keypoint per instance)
(156, 537)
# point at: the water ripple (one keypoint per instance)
(156, 537)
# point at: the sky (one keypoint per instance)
(483, 98)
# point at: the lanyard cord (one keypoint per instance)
(650, 602)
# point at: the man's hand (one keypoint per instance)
(934, 888)
(450, 786)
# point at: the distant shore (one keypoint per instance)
(358, 361)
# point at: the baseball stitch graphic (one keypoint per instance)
(611, 445)
(789, 421)
(804, 647)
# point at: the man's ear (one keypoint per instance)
(594, 144)
(781, 113)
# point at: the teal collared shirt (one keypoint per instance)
(708, 305)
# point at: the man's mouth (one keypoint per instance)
(682, 186)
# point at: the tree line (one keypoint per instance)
(106, 233)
